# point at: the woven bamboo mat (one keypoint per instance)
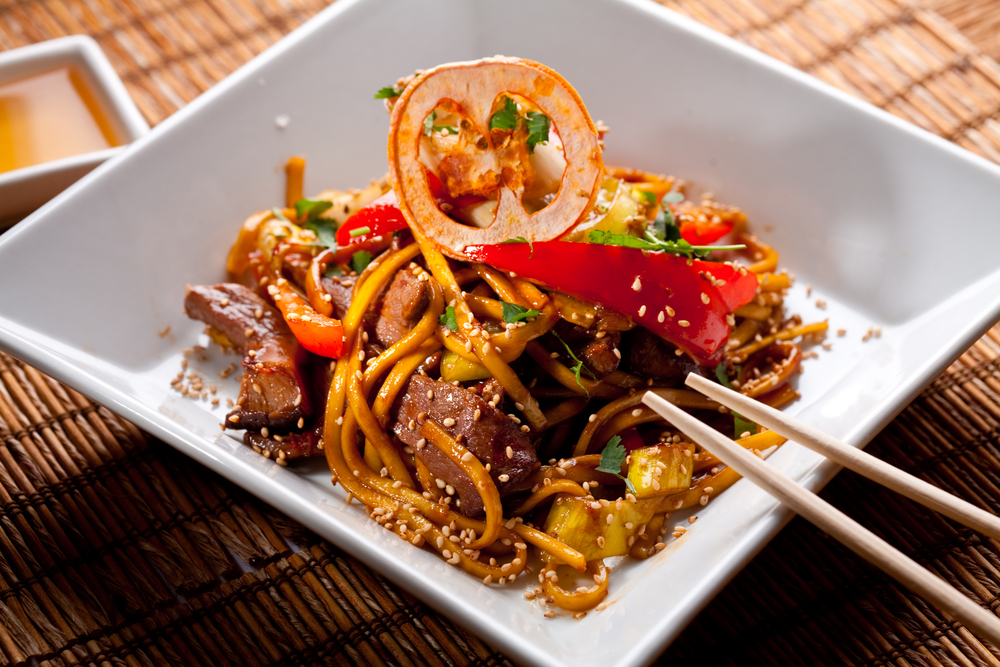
(116, 550)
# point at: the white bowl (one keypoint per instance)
(860, 204)
(25, 189)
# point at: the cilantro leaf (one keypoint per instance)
(612, 458)
(326, 233)
(665, 227)
(448, 319)
(741, 423)
(514, 313)
(360, 260)
(310, 209)
(538, 129)
(647, 197)
(651, 242)
(521, 239)
(506, 118)
(388, 92)
(333, 271)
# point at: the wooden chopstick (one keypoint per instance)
(831, 520)
(853, 458)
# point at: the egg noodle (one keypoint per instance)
(501, 425)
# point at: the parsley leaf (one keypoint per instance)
(514, 313)
(741, 423)
(333, 271)
(448, 319)
(506, 118)
(612, 458)
(430, 127)
(647, 197)
(388, 92)
(538, 129)
(651, 242)
(326, 233)
(310, 209)
(360, 260)
(521, 239)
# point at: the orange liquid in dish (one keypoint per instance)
(47, 117)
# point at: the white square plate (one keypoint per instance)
(860, 204)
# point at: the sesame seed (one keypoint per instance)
(510, 452)
(503, 478)
(670, 311)
(592, 418)
(554, 355)
(610, 519)
(430, 394)
(637, 284)
(519, 406)
(448, 421)
(659, 316)
(617, 352)
(526, 429)
(477, 414)
(683, 323)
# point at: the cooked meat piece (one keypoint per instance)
(597, 354)
(340, 294)
(293, 445)
(400, 307)
(297, 266)
(651, 356)
(272, 392)
(488, 437)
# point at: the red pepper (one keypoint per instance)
(382, 216)
(703, 233)
(317, 333)
(662, 292)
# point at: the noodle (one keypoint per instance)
(519, 348)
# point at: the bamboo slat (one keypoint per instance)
(114, 549)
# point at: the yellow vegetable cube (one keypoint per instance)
(661, 470)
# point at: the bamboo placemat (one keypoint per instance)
(114, 549)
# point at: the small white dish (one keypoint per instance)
(25, 189)
(860, 204)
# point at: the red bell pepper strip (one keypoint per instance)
(317, 333)
(665, 293)
(382, 216)
(703, 233)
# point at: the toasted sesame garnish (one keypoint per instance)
(637, 284)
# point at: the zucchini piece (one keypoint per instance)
(455, 367)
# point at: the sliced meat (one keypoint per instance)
(287, 447)
(400, 307)
(651, 356)
(272, 392)
(594, 347)
(488, 437)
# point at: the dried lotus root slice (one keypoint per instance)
(475, 86)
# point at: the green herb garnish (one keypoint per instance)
(506, 118)
(326, 233)
(448, 319)
(513, 313)
(612, 458)
(360, 260)
(521, 239)
(388, 92)
(430, 127)
(651, 242)
(741, 423)
(333, 271)
(538, 129)
(578, 367)
(279, 214)
(310, 209)
(673, 198)
(360, 231)
(647, 197)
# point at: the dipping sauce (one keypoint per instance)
(49, 116)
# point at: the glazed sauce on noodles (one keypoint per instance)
(50, 116)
